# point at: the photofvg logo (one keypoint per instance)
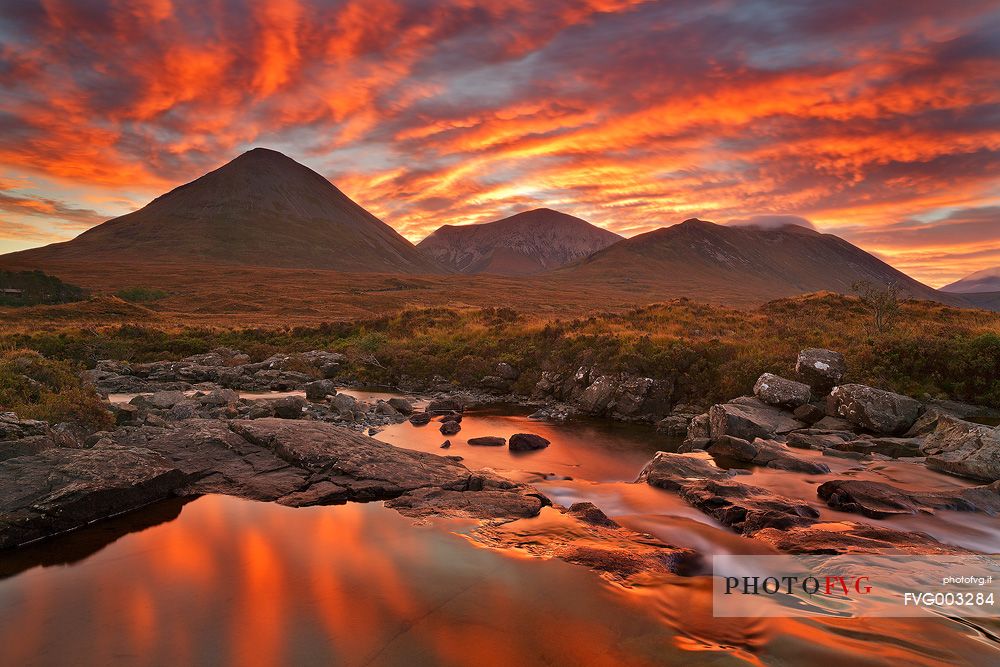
(856, 585)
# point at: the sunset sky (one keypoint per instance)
(878, 121)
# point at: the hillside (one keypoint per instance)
(260, 209)
(987, 280)
(522, 244)
(701, 259)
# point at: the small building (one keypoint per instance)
(10, 291)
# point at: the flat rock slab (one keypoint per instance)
(745, 508)
(878, 500)
(61, 489)
(749, 419)
(849, 537)
(765, 453)
(672, 471)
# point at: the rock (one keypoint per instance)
(809, 413)
(186, 409)
(161, 400)
(526, 442)
(878, 500)
(507, 372)
(963, 448)
(592, 514)
(779, 392)
(384, 408)
(892, 447)
(344, 404)
(672, 471)
(820, 369)
(219, 397)
(487, 441)
(60, 489)
(289, 407)
(32, 444)
(450, 428)
(320, 389)
(495, 383)
(446, 444)
(747, 509)
(493, 503)
(443, 405)
(833, 424)
(699, 428)
(631, 396)
(12, 428)
(420, 418)
(598, 397)
(876, 410)
(401, 405)
(673, 425)
(763, 453)
(852, 538)
(125, 413)
(748, 420)
(817, 439)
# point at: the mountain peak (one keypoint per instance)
(521, 244)
(262, 209)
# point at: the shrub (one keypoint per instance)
(141, 294)
(38, 388)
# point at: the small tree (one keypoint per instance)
(881, 302)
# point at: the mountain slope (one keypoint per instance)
(700, 259)
(260, 209)
(987, 280)
(522, 244)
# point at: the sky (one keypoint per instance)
(875, 121)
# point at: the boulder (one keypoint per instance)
(672, 471)
(507, 372)
(443, 405)
(487, 441)
(895, 448)
(777, 391)
(527, 442)
(820, 369)
(745, 508)
(420, 418)
(161, 400)
(124, 413)
(875, 410)
(450, 428)
(219, 398)
(748, 420)
(599, 396)
(401, 405)
(879, 500)
(385, 408)
(289, 407)
(963, 448)
(592, 514)
(320, 389)
(809, 413)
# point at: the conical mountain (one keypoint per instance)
(526, 243)
(261, 209)
(700, 259)
(987, 280)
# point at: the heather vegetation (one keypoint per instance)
(36, 387)
(710, 352)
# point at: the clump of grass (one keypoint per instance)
(141, 294)
(38, 388)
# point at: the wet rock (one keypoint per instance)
(963, 448)
(820, 369)
(875, 410)
(526, 442)
(386, 409)
(62, 489)
(446, 444)
(494, 503)
(763, 453)
(748, 420)
(592, 514)
(320, 389)
(878, 500)
(450, 428)
(672, 471)
(289, 407)
(487, 441)
(401, 405)
(420, 418)
(818, 439)
(892, 447)
(745, 508)
(852, 538)
(779, 392)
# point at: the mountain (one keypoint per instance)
(987, 280)
(522, 244)
(261, 209)
(701, 259)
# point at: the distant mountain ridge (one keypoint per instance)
(522, 244)
(987, 280)
(701, 259)
(262, 209)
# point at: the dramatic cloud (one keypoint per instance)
(851, 114)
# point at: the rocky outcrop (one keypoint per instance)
(965, 449)
(878, 500)
(782, 393)
(875, 410)
(672, 471)
(527, 442)
(620, 396)
(820, 369)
